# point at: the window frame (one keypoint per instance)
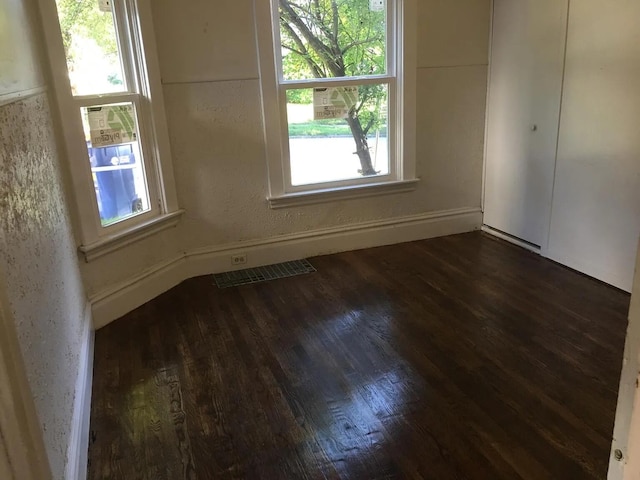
(137, 48)
(401, 80)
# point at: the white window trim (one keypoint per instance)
(403, 172)
(96, 240)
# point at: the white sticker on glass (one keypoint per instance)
(104, 5)
(112, 125)
(333, 102)
(376, 5)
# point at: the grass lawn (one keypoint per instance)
(319, 129)
(322, 129)
(302, 124)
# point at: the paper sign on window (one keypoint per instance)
(104, 5)
(376, 5)
(333, 102)
(112, 125)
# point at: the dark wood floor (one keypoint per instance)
(461, 357)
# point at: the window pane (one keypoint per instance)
(329, 126)
(116, 161)
(332, 38)
(91, 46)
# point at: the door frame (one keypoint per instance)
(624, 457)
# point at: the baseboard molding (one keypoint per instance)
(126, 296)
(77, 453)
(120, 299)
(566, 259)
(511, 239)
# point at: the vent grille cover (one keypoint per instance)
(262, 274)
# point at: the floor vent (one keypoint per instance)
(262, 274)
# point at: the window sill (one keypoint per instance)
(131, 235)
(342, 193)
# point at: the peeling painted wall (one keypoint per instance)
(209, 68)
(37, 252)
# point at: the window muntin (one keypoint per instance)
(101, 54)
(336, 44)
(117, 169)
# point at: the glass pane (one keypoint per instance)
(337, 133)
(116, 162)
(332, 38)
(91, 46)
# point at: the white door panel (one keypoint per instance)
(596, 205)
(527, 55)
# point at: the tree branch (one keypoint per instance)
(303, 52)
(359, 42)
(336, 19)
(323, 51)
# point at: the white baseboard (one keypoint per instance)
(120, 299)
(511, 239)
(116, 301)
(77, 453)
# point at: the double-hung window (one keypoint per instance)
(338, 88)
(112, 117)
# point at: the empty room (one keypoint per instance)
(309, 239)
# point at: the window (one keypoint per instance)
(338, 85)
(112, 116)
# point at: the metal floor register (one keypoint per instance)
(262, 274)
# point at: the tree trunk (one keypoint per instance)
(362, 146)
(332, 57)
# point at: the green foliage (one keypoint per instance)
(336, 38)
(320, 128)
(324, 128)
(302, 96)
(83, 19)
(331, 38)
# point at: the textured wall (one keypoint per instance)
(37, 255)
(37, 251)
(209, 70)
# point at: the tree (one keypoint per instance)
(338, 38)
(81, 21)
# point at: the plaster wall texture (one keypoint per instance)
(209, 67)
(37, 250)
(37, 255)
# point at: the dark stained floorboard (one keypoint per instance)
(460, 357)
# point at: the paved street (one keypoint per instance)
(315, 160)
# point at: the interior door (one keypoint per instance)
(525, 87)
(596, 201)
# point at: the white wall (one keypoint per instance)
(18, 63)
(37, 251)
(209, 70)
(596, 204)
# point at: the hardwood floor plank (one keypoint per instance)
(459, 357)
